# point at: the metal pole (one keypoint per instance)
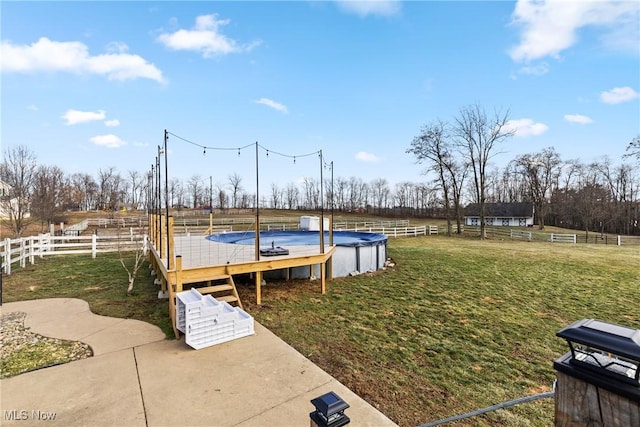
(332, 196)
(166, 191)
(149, 189)
(152, 203)
(257, 239)
(159, 201)
(321, 206)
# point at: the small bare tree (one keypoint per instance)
(139, 253)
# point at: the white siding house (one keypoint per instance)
(7, 204)
(500, 214)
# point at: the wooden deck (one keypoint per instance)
(195, 259)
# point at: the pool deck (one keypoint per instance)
(198, 251)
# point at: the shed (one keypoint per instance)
(501, 214)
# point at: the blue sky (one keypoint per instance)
(90, 85)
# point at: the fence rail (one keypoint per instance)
(26, 249)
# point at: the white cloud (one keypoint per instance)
(205, 37)
(112, 123)
(578, 118)
(370, 7)
(618, 95)
(32, 107)
(272, 104)
(551, 26)
(117, 47)
(109, 141)
(535, 70)
(363, 156)
(73, 117)
(525, 127)
(74, 57)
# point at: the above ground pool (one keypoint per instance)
(355, 251)
(299, 238)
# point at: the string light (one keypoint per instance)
(239, 149)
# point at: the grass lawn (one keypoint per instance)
(102, 282)
(457, 325)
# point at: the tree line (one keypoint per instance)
(599, 196)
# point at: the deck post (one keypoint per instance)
(172, 295)
(171, 245)
(323, 287)
(259, 287)
(152, 229)
(163, 232)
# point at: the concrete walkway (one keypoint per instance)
(137, 378)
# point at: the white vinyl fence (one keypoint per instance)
(26, 249)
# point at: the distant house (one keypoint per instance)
(6, 204)
(4, 199)
(500, 214)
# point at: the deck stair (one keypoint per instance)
(222, 288)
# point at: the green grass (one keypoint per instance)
(459, 324)
(102, 282)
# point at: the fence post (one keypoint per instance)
(7, 256)
(145, 244)
(94, 246)
(31, 250)
(131, 234)
(23, 253)
(619, 240)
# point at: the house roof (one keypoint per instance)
(502, 210)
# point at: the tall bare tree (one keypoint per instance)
(176, 193)
(235, 182)
(434, 146)
(47, 201)
(634, 148)
(380, 192)
(136, 188)
(541, 172)
(311, 192)
(195, 187)
(292, 194)
(222, 197)
(17, 171)
(478, 137)
(276, 196)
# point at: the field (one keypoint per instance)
(458, 324)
